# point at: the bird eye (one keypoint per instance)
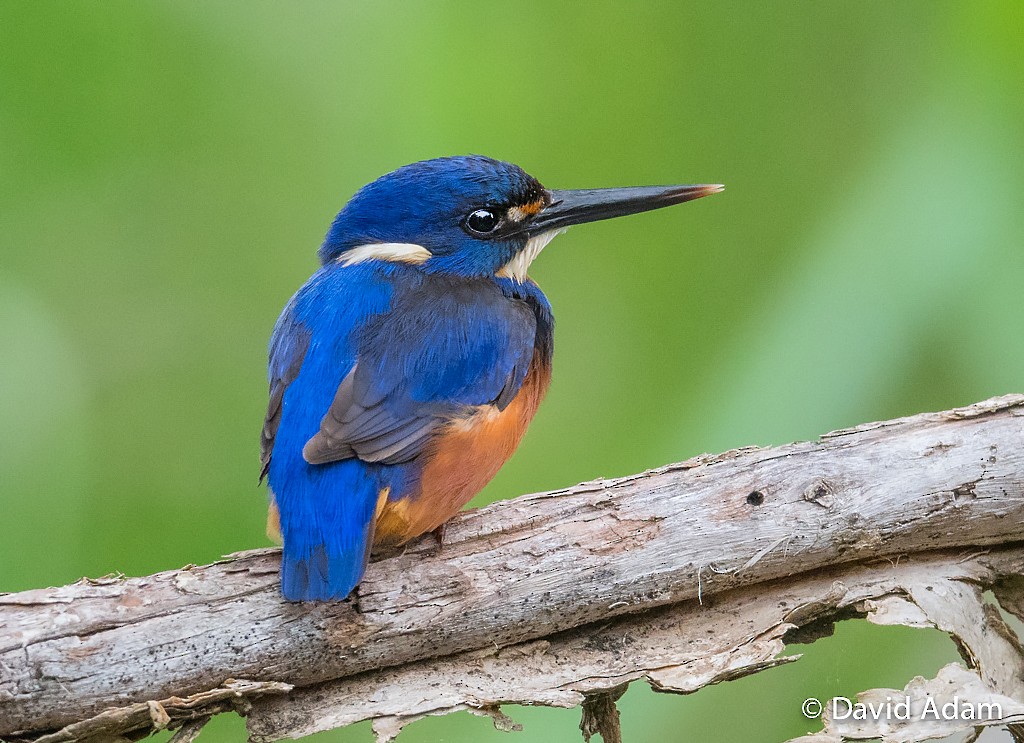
(482, 221)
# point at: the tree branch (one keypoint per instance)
(556, 597)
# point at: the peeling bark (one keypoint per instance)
(676, 649)
(560, 597)
(187, 716)
(601, 716)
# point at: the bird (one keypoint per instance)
(404, 373)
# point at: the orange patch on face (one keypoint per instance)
(461, 461)
(525, 211)
(533, 208)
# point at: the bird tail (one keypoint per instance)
(327, 544)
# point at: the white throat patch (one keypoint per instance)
(520, 264)
(392, 252)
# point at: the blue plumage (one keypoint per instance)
(428, 352)
(426, 203)
(405, 371)
(326, 536)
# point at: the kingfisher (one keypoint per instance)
(405, 371)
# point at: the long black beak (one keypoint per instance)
(591, 204)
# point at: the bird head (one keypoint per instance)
(474, 216)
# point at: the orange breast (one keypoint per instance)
(461, 461)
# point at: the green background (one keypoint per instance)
(168, 169)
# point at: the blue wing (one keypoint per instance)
(288, 345)
(325, 512)
(444, 348)
(366, 364)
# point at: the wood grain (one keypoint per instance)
(525, 569)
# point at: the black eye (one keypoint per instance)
(482, 221)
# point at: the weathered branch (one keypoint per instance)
(555, 597)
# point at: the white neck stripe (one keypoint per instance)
(520, 264)
(391, 252)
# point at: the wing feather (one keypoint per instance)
(288, 346)
(441, 352)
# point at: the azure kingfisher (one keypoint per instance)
(405, 372)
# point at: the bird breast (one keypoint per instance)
(463, 458)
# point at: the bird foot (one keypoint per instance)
(438, 534)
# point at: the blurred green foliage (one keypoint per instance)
(167, 170)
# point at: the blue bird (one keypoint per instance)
(405, 372)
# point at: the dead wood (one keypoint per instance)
(560, 597)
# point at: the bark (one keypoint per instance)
(562, 597)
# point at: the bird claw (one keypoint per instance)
(438, 534)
